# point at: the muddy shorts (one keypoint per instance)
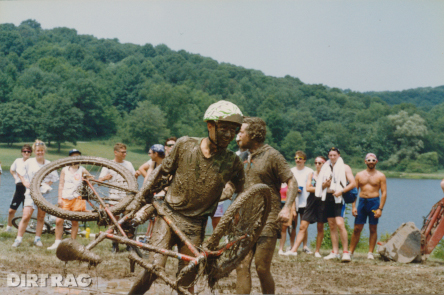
(76, 205)
(314, 211)
(333, 209)
(365, 208)
(19, 196)
(164, 237)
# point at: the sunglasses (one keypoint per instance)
(170, 145)
(27, 152)
(124, 152)
(299, 158)
(39, 143)
(371, 160)
(319, 163)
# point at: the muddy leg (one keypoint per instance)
(373, 237)
(188, 278)
(243, 280)
(264, 254)
(161, 237)
(355, 237)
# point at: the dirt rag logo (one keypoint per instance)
(42, 280)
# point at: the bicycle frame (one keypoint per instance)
(199, 255)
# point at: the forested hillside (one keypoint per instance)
(422, 97)
(60, 86)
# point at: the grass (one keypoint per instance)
(136, 154)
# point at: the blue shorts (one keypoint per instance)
(365, 208)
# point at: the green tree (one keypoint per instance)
(18, 122)
(146, 125)
(292, 143)
(59, 120)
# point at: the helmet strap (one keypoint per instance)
(215, 132)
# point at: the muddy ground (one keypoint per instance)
(304, 274)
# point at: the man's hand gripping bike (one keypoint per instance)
(235, 235)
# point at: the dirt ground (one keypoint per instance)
(304, 274)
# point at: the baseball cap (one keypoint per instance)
(73, 151)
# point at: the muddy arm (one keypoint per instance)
(292, 192)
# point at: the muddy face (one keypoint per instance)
(244, 141)
(223, 132)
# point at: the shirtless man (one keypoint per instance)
(201, 167)
(442, 185)
(370, 182)
(264, 165)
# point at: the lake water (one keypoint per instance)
(407, 200)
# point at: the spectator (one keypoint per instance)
(69, 198)
(19, 195)
(314, 211)
(335, 179)
(157, 154)
(106, 174)
(26, 173)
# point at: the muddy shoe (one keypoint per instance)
(346, 257)
(370, 256)
(332, 255)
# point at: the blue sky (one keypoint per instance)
(358, 45)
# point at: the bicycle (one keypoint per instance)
(48, 225)
(241, 224)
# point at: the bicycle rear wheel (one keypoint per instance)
(121, 188)
(247, 215)
(32, 225)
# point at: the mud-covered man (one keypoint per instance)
(370, 182)
(201, 167)
(264, 165)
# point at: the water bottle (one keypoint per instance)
(88, 231)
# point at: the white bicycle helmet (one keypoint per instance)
(224, 111)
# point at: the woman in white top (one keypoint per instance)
(20, 189)
(26, 173)
(69, 199)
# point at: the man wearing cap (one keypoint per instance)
(69, 199)
(370, 182)
(200, 167)
(157, 154)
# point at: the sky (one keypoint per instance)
(351, 44)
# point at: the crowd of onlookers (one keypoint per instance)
(308, 208)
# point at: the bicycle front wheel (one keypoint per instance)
(32, 225)
(246, 217)
(120, 189)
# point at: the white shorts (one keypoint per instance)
(220, 210)
(28, 200)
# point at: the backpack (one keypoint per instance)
(350, 196)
